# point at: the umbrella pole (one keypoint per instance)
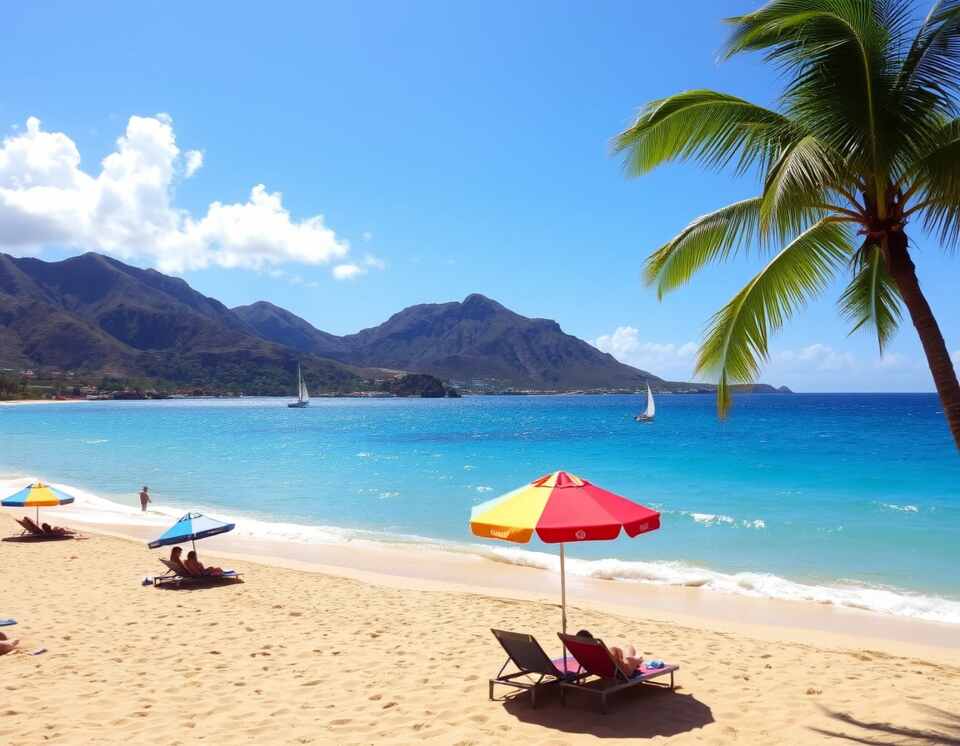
(563, 593)
(563, 600)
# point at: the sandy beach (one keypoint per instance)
(300, 655)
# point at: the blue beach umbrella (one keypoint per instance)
(191, 527)
(37, 495)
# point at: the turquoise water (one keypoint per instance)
(832, 491)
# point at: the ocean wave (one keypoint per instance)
(753, 584)
(714, 519)
(901, 508)
(114, 510)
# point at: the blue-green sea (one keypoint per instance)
(845, 499)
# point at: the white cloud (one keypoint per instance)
(956, 358)
(820, 367)
(816, 356)
(667, 360)
(127, 209)
(353, 270)
(366, 236)
(374, 262)
(813, 367)
(347, 271)
(193, 160)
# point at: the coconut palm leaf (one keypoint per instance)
(933, 62)
(718, 236)
(803, 174)
(736, 340)
(871, 298)
(713, 128)
(841, 56)
(935, 177)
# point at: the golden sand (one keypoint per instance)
(303, 657)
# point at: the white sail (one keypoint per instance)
(304, 394)
(651, 409)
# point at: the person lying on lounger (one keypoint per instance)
(193, 565)
(7, 645)
(55, 530)
(625, 657)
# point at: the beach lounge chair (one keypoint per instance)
(604, 676)
(175, 576)
(534, 667)
(32, 530)
(29, 527)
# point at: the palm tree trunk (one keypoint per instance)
(938, 357)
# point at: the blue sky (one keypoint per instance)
(450, 148)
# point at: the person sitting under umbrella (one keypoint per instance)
(625, 657)
(177, 562)
(195, 568)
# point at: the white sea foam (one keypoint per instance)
(901, 508)
(710, 519)
(94, 509)
(713, 519)
(756, 585)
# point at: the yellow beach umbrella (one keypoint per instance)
(37, 495)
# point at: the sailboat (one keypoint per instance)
(303, 396)
(651, 410)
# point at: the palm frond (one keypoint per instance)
(713, 128)
(935, 177)
(714, 236)
(718, 236)
(804, 174)
(931, 68)
(736, 339)
(872, 298)
(842, 57)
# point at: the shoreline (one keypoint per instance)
(428, 568)
(500, 569)
(26, 402)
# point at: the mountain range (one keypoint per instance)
(96, 315)
(470, 342)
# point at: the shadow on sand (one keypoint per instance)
(202, 585)
(943, 728)
(642, 712)
(28, 539)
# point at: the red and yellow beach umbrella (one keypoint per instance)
(37, 495)
(560, 508)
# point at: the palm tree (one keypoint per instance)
(865, 140)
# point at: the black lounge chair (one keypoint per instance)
(535, 668)
(174, 576)
(602, 675)
(32, 531)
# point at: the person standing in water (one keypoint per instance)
(144, 498)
